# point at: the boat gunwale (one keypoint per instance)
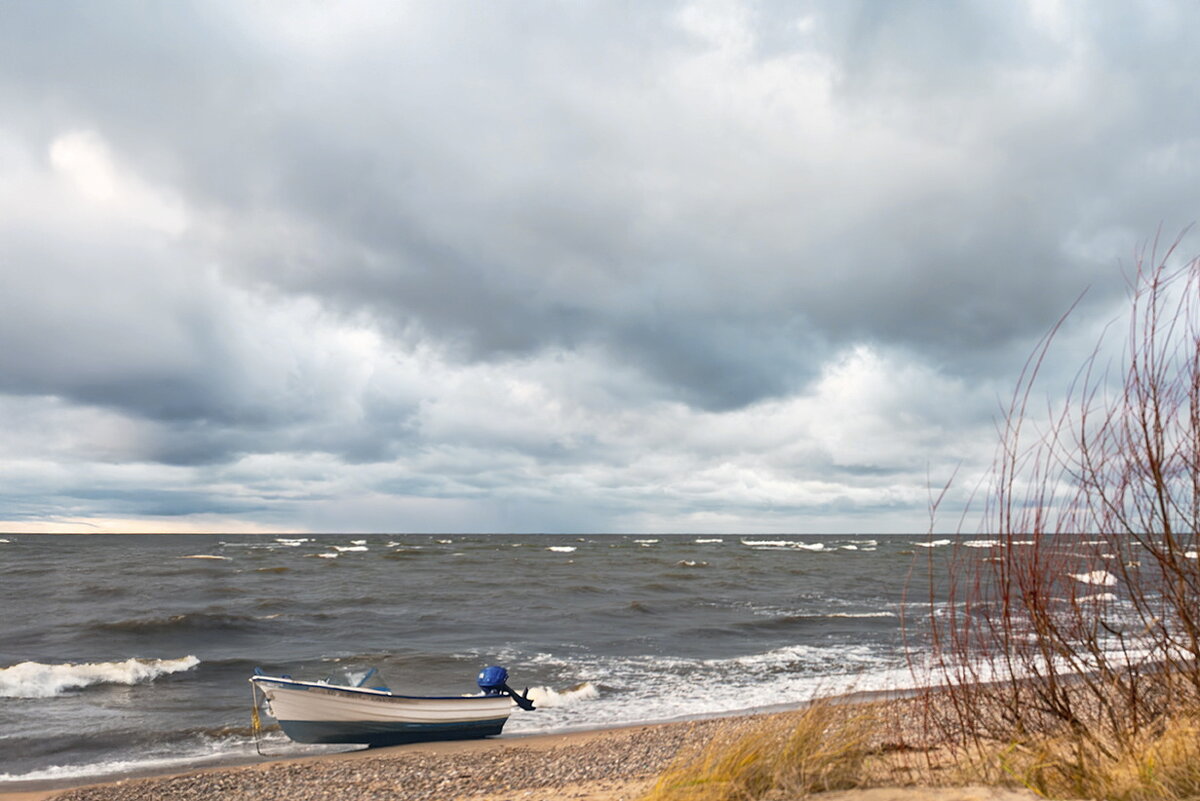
(369, 691)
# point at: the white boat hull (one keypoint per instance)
(311, 712)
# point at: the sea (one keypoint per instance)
(128, 654)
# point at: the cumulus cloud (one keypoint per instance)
(742, 265)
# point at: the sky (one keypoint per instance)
(743, 267)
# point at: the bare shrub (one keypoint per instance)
(1080, 624)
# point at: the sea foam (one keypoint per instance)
(547, 697)
(37, 680)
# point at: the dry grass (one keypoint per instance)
(822, 748)
(1161, 766)
(831, 747)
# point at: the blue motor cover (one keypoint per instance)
(493, 680)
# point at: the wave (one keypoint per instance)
(187, 622)
(404, 553)
(707, 541)
(292, 543)
(802, 546)
(931, 543)
(649, 688)
(690, 563)
(37, 680)
(562, 548)
(1101, 578)
(346, 548)
(548, 697)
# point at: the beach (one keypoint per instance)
(607, 763)
(615, 764)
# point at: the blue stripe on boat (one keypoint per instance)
(370, 732)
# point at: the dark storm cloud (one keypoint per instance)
(387, 233)
(497, 185)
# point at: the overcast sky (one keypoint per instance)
(561, 266)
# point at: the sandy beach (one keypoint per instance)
(618, 764)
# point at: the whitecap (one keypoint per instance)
(4, 540)
(690, 563)
(333, 555)
(1098, 597)
(445, 542)
(849, 547)
(768, 543)
(707, 541)
(358, 542)
(548, 697)
(346, 548)
(292, 543)
(562, 548)
(861, 614)
(931, 543)
(981, 544)
(1101, 578)
(645, 542)
(37, 680)
(206, 556)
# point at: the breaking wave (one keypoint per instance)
(37, 680)
(548, 697)
(1099, 578)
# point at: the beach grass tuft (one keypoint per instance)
(1163, 765)
(822, 748)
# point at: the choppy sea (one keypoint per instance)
(131, 653)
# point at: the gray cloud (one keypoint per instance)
(365, 232)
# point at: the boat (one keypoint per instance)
(321, 712)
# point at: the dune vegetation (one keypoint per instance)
(1066, 657)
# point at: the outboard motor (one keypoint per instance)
(494, 681)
